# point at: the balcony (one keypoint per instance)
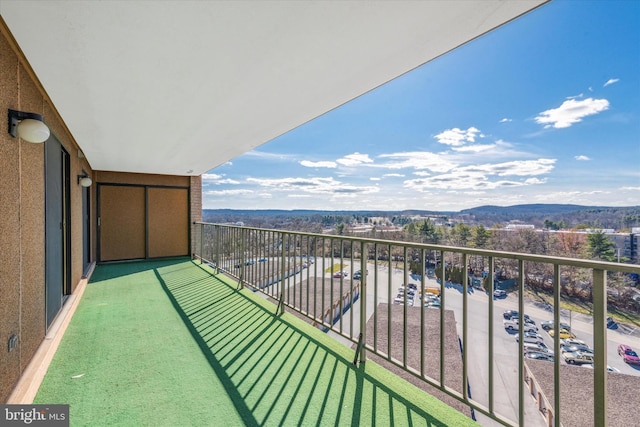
(269, 327)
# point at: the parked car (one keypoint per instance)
(574, 348)
(539, 356)
(339, 274)
(499, 293)
(513, 326)
(563, 334)
(432, 304)
(549, 325)
(628, 355)
(572, 341)
(609, 368)
(578, 358)
(510, 314)
(536, 347)
(399, 299)
(532, 338)
(527, 319)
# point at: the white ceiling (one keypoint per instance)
(180, 87)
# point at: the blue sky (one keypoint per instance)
(545, 109)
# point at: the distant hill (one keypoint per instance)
(537, 214)
(539, 208)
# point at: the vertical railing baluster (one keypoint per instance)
(350, 283)
(389, 281)
(556, 344)
(443, 272)
(465, 324)
(375, 297)
(283, 277)
(405, 279)
(363, 301)
(421, 302)
(600, 347)
(490, 281)
(522, 322)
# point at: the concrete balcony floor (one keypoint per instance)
(167, 343)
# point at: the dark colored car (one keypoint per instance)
(539, 356)
(548, 325)
(514, 315)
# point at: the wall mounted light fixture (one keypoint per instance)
(29, 126)
(84, 180)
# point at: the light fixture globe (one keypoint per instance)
(33, 131)
(85, 182)
(28, 126)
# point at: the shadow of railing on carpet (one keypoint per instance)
(274, 371)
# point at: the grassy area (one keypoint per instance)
(335, 268)
(579, 306)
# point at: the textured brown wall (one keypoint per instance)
(168, 222)
(196, 208)
(166, 211)
(22, 273)
(9, 223)
(122, 229)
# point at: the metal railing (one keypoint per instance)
(315, 276)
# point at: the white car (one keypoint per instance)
(513, 326)
(578, 358)
(531, 339)
(529, 346)
(609, 368)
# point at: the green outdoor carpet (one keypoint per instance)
(167, 343)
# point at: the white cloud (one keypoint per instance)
(610, 82)
(457, 137)
(374, 179)
(227, 192)
(571, 111)
(474, 148)
(505, 120)
(516, 167)
(393, 175)
(534, 181)
(478, 177)
(212, 178)
(310, 164)
(354, 159)
(575, 96)
(313, 185)
(582, 158)
(418, 160)
(631, 188)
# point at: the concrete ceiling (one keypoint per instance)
(180, 87)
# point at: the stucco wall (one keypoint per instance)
(22, 217)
